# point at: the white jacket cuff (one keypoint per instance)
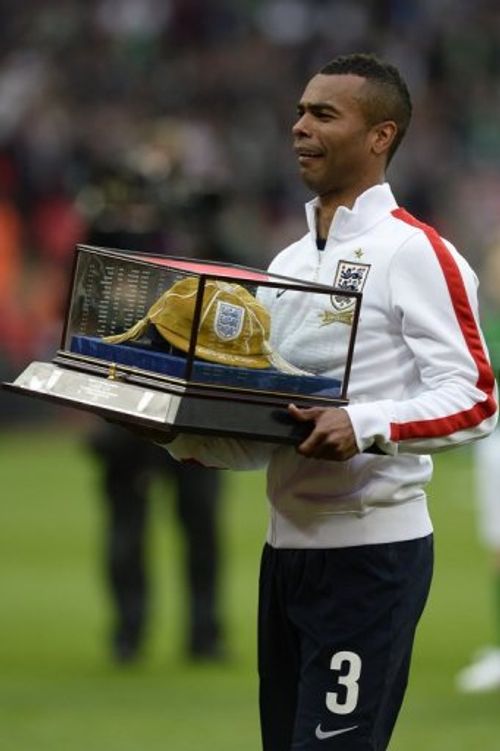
(372, 425)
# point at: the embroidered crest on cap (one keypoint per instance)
(228, 321)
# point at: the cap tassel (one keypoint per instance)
(135, 332)
(281, 364)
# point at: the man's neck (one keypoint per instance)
(329, 203)
(324, 218)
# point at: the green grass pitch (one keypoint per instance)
(59, 691)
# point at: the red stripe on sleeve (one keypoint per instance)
(466, 321)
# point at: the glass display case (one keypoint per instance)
(195, 346)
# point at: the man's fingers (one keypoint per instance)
(309, 446)
(307, 414)
(303, 414)
(331, 436)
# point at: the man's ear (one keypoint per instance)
(383, 136)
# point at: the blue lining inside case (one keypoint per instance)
(153, 360)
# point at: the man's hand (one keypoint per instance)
(332, 436)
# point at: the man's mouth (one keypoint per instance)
(305, 154)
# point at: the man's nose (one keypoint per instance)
(303, 125)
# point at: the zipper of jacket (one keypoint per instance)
(315, 276)
(319, 253)
(318, 266)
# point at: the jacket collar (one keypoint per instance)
(369, 208)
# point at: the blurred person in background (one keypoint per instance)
(127, 468)
(131, 218)
(483, 673)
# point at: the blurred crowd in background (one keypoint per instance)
(164, 125)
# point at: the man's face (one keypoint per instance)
(331, 137)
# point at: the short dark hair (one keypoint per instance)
(387, 98)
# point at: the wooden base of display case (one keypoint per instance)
(132, 397)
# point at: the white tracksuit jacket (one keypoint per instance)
(420, 380)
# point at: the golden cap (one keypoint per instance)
(234, 326)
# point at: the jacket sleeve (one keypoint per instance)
(434, 298)
(220, 453)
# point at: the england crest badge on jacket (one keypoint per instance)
(349, 277)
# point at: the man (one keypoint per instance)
(483, 673)
(347, 564)
(128, 467)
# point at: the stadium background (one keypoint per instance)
(164, 122)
